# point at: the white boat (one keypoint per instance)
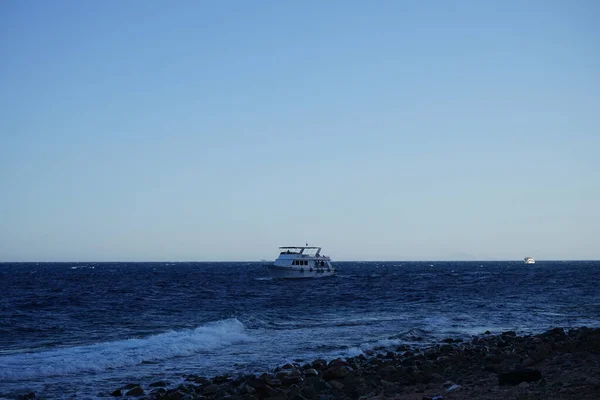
(297, 262)
(529, 260)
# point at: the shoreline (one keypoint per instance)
(556, 364)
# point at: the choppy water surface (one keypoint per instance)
(84, 329)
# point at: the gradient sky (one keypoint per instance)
(384, 130)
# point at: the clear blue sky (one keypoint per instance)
(385, 130)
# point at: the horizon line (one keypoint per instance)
(263, 261)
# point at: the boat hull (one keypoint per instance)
(277, 272)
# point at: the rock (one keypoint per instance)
(117, 393)
(436, 397)
(453, 388)
(319, 364)
(591, 381)
(297, 396)
(528, 362)
(541, 351)
(338, 372)
(337, 362)
(517, 376)
(269, 380)
(446, 348)
(172, 394)
(311, 372)
(291, 379)
(317, 384)
(159, 384)
(337, 385)
(131, 385)
(388, 369)
(210, 389)
(294, 389)
(309, 392)
(198, 379)
(136, 392)
(221, 379)
(408, 362)
(556, 333)
(326, 397)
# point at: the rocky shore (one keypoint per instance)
(552, 365)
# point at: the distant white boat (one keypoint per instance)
(300, 262)
(529, 260)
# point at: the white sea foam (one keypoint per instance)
(100, 357)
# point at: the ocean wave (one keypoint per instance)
(100, 357)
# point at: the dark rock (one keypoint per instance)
(297, 397)
(159, 384)
(311, 372)
(245, 388)
(293, 389)
(446, 348)
(338, 372)
(172, 395)
(266, 391)
(210, 389)
(198, 379)
(388, 369)
(221, 379)
(556, 333)
(337, 385)
(117, 393)
(269, 380)
(319, 364)
(408, 362)
(337, 362)
(136, 392)
(131, 385)
(308, 392)
(316, 384)
(158, 391)
(517, 376)
(326, 397)
(528, 362)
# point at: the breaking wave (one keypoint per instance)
(100, 357)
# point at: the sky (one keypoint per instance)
(385, 130)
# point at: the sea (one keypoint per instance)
(82, 330)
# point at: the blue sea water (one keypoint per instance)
(84, 329)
